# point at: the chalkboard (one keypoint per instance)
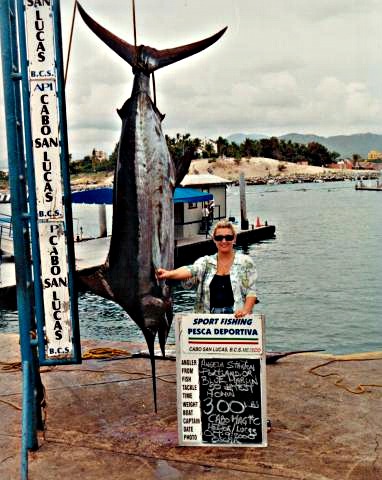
(221, 380)
(230, 400)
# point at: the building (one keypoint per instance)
(195, 193)
(207, 145)
(98, 156)
(188, 216)
(369, 166)
(374, 155)
(344, 164)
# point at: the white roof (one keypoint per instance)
(203, 179)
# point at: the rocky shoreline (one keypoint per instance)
(261, 171)
(257, 171)
(311, 178)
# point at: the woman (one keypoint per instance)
(226, 280)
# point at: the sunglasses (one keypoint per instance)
(220, 238)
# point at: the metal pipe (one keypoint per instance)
(25, 420)
(15, 148)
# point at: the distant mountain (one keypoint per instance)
(345, 145)
(241, 137)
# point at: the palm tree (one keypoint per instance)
(222, 145)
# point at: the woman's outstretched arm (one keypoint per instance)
(181, 273)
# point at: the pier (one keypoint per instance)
(370, 189)
(189, 249)
(91, 254)
(100, 421)
(373, 188)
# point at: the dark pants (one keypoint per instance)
(221, 310)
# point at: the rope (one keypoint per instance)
(10, 366)
(339, 382)
(104, 352)
(13, 405)
(154, 89)
(134, 25)
(70, 41)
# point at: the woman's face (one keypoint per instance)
(223, 243)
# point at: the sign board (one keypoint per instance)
(46, 140)
(221, 385)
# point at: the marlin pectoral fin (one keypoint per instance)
(182, 166)
(164, 330)
(97, 282)
(145, 58)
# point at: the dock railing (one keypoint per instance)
(6, 234)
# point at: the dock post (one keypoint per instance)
(244, 225)
(102, 221)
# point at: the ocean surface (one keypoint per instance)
(319, 280)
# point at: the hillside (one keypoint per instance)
(258, 167)
(345, 145)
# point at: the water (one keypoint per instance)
(319, 281)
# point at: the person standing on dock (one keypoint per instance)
(225, 281)
(211, 206)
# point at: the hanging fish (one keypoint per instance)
(145, 178)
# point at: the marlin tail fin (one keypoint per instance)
(145, 58)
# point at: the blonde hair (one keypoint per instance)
(224, 224)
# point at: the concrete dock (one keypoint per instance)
(100, 422)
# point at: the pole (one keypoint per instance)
(12, 77)
(102, 221)
(243, 206)
(70, 42)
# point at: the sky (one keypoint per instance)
(306, 66)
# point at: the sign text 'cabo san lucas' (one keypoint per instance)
(47, 166)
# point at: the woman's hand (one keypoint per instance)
(247, 308)
(242, 313)
(161, 273)
(181, 273)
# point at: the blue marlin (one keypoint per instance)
(145, 178)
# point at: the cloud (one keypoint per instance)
(347, 104)
(323, 10)
(279, 103)
(306, 66)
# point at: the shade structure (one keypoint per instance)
(104, 196)
(191, 195)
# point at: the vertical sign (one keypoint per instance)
(44, 111)
(221, 387)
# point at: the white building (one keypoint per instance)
(203, 146)
(188, 216)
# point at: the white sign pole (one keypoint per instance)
(44, 112)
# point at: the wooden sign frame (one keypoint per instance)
(221, 380)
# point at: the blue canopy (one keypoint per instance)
(104, 196)
(96, 195)
(190, 195)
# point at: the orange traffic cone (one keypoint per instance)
(258, 224)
